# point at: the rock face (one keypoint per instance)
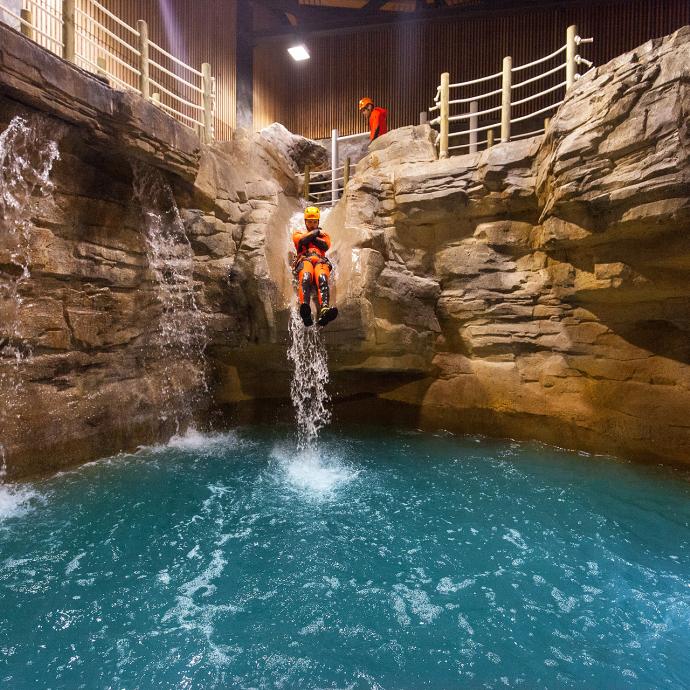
(99, 372)
(540, 289)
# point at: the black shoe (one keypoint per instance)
(327, 314)
(305, 313)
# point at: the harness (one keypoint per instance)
(312, 255)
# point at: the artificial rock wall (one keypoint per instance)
(540, 289)
(536, 290)
(94, 377)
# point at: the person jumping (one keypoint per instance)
(313, 268)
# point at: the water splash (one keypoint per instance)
(310, 399)
(27, 156)
(181, 333)
(307, 352)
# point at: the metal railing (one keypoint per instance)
(473, 116)
(324, 187)
(92, 37)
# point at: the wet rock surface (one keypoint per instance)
(541, 287)
(538, 289)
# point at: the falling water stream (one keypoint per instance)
(27, 156)
(181, 333)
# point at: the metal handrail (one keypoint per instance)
(189, 104)
(107, 31)
(119, 61)
(45, 9)
(115, 18)
(174, 59)
(540, 60)
(539, 95)
(175, 76)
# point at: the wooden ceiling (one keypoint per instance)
(274, 18)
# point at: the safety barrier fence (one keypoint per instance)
(501, 117)
(92, 37)
(324, 187)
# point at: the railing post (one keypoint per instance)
(68, 25)
(156, 98)
(445, 97)
(547, 122)
(489, 138)
(102, 66)
(505, 98)
(305, 188)
(474, 123)
(423, 117)
(213, 108)
(570, 55)
(346, 173)
(27, 28)
(143, 47)
(334, 165)
(207, 102)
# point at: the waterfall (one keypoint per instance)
(307, 353)
(181, 332)
(310, 399)
(27, 156)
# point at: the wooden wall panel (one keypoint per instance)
(195, 32)
(399, 65)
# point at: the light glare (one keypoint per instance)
(299, 52)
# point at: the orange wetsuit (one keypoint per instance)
(311, 266)
(378, 122)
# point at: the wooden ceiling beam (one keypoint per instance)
(316, 20)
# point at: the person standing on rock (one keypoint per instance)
(377, 118)
(312, 268)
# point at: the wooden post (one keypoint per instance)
(156, 98)
(305, 188)
(207, 102)
(547, 122)
(68, 32)
(474, 123)
(102, 66)
(445, 97)
(570, 54)
(27, 26)
(346, 173)
(143, 47)
(423, 117)
(334, 165)
(505, 98)
(489, 138)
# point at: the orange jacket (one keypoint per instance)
(378, 122)
(311, 250)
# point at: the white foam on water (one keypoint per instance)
(15, 501)
(202, 617)
(312, 473)
(74, 563)
(198, 443)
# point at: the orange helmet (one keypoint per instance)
(312, 213)
(364, 102)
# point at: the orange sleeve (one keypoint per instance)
(326, 238)
(373, 123)
(296, 237)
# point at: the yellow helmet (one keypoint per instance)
(312, 213)
(364, 102)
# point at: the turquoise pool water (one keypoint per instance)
(394, 559)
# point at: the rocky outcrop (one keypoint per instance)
(539, 289)
(88, 320)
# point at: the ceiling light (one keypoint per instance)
(299, 52)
